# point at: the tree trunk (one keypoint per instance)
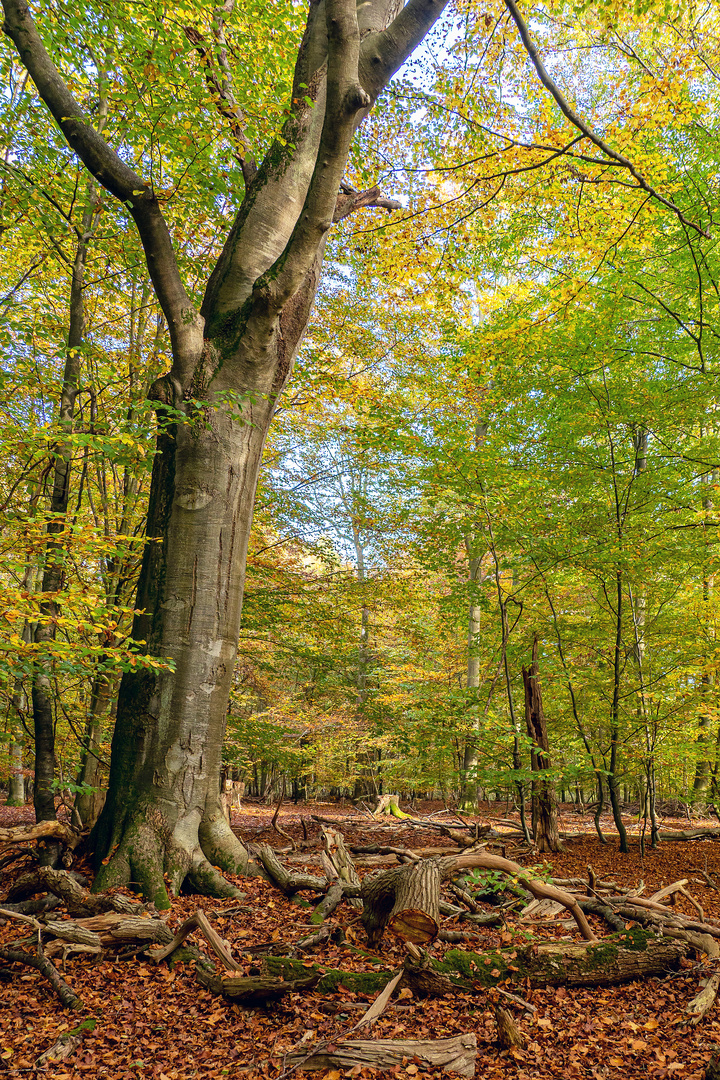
(89, 800)
(163, 821)
(405, 900)
(52, 582)
(16, 781)
(547, 835)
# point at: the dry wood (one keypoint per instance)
(701, 1005)
(254, 990)
(274, 825)
(341, 861)
(63, 1048)
(388, 896)
(668, 891)
(456, 1055)
(380, 1003)
(701, 943)
(289, 882)
(539, 889)
(328, 904)
(45, 830)
(508, 1035)
(77, 899)
(198, 921)
(40, 962)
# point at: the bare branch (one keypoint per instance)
(580, 124)
(350, 200)
(111, 172)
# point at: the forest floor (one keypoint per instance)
(154, 1021)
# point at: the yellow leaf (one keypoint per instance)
(616, 1061)
(7, 1054)
(651, 1025)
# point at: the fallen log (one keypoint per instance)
(634, 954)
(455, 1055)
(415, 888)
(78, 900)
(45, 830)
(286, 880)
(255, 990)
(40, 962)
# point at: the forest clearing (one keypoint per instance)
(155, 1019)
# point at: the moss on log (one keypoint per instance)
(634, 954)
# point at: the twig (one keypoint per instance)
(580, 124)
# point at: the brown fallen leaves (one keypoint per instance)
(160, 1024)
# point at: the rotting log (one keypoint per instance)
(404, 899)
(255, 990)
(625, 957)
(456, 1055)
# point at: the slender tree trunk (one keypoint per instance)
(42, 691)
(469, 786)
(16, 780)
(701, 782)
(615, 717)
(545, 822)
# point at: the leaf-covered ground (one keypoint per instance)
(157, 1022)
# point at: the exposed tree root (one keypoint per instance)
(158, 864)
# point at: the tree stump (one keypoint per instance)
(404, 900)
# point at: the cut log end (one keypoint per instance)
(414, 926)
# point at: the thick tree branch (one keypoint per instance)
(383, 54)
(580, 124)
(350, 200)
(111, 172)
(345, 98)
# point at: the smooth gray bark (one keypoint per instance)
(163, 820)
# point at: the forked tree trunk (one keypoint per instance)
(163, 820)
(545, 822)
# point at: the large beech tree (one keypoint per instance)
(231, 358)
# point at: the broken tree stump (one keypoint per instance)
(405, 900)
(456, 1055)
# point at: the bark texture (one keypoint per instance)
(162, 823)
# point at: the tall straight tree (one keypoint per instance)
(231, 358)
